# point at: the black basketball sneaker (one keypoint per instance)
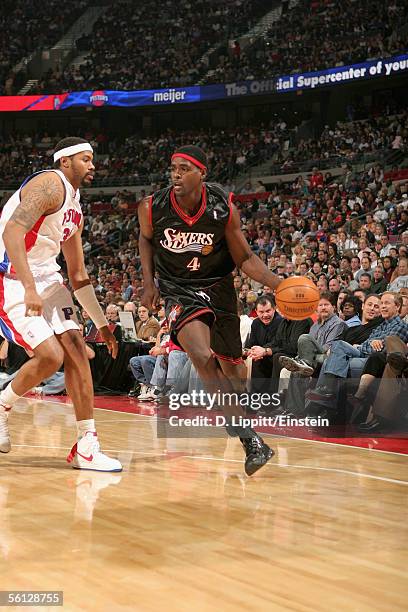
(257, 453)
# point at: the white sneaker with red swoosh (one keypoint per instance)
(86, 454)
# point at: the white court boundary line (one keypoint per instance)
(308, 467)
(148, 416)
(208, 458)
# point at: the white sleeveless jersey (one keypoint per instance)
(43, 241)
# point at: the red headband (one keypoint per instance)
(191, 159)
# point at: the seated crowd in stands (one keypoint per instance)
(354, 141)
(309, 37)
(143, 160)
(335, 351)
(27, 26)
(145, 59)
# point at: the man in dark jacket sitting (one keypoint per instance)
(259, 341)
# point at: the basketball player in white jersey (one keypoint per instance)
(36, 310)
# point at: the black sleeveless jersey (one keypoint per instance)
(191, 250)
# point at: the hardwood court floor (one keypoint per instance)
(322, 528)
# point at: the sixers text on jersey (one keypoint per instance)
(181, 242)
(191, 248)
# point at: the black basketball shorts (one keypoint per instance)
(215, 305)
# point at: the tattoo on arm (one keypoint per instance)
(45, 195)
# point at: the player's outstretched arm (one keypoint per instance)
(44, 194)
(150, 297)
(244, 257)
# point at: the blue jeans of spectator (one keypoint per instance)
(142, 368)
(338, 362)
(183, 379)
(168, 368)
(54, 385)
(6, 379)
(356, 366)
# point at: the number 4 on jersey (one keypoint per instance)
(194, 264)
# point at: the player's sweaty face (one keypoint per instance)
(185, 176)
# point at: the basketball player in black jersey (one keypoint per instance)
(191, 241)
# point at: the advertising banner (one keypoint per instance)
(307, 81)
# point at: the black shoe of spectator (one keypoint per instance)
(323, 413)
(315, 410)
(257, 453)
(377, 426)
(398, 362)
(135, 391)
(320, 394)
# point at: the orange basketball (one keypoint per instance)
(297, 298)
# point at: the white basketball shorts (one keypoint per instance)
(58, 311)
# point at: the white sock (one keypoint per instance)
(84, 426)
(8, 397)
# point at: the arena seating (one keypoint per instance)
(28, 25)
(311, 36)
(318, 34)
(142, 160)
(355, 141)
(161, 45)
